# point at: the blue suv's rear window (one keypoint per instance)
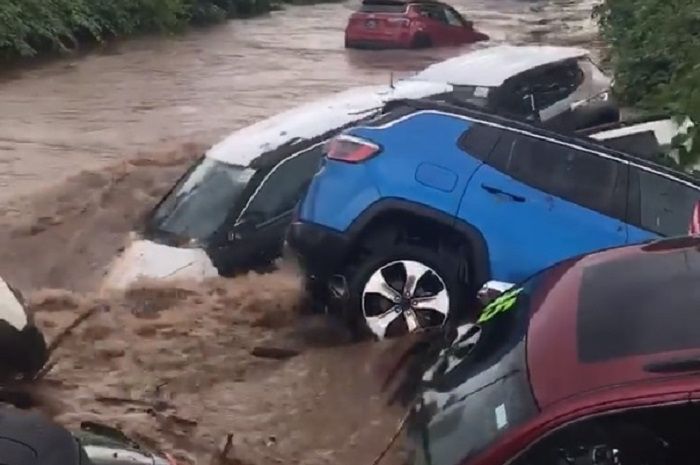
(645, 304)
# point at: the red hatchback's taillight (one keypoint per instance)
(351, 149)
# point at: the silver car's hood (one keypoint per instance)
(108, 450)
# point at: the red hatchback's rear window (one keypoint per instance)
(641, 305)
(383, 7)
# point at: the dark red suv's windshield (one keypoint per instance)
(478, 389)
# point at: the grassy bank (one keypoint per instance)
(31, 27)
(655, 53)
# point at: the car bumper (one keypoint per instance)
(319, 250)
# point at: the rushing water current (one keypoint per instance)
(88, 144)
(69, 115)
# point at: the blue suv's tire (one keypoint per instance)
(402, 287)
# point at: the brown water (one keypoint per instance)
(72, 115)
(88, 145)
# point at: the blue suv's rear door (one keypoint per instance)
(537, 202)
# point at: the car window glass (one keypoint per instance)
(479, 140)
(650, 435)
(657, 291)
(482, 374)
(279, 192)
(574, 175)
(515, 98)
(433, 12)
(556, 84)
(383, 8)
(453, 18)
(666, 205)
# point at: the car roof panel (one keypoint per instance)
(610, 355)
(315, 118)
(492, 66)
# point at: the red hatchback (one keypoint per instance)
(593, 361)
(400, 24)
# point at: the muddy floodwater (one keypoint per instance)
(88, 144)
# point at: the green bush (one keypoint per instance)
(28, 27)
(655, 53)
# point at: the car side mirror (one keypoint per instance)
(469, 24)
(492, 290)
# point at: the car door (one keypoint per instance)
(436, 24)
(457, 27)
(256, 236)
(659, 204)
(537, 202)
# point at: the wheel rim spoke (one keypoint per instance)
(411, 320)
(379, 324)
(414, 272)
(378, 285)
(439, 302)
(383, 303)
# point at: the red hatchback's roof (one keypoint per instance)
(600, 319)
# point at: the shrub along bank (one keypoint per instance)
(655, 53)
(28, 27)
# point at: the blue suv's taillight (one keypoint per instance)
(351, 149)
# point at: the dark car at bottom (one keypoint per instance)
(595, 360)
(30, 438)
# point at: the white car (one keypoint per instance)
(560, 87)
(230, 210)
(23, 349)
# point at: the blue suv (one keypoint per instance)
(412, 212)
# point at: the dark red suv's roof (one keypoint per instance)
(600, 319)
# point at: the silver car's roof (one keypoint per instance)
(492, 66)
(315, 118)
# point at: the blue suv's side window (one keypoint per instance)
(571, 174)
(660, 204)
(479, 140)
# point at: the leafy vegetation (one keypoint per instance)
(28, 27)
(655, 54)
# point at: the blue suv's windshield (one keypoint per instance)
(478, 389)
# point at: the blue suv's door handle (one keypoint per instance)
(496, 191)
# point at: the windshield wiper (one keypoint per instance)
(676, 365)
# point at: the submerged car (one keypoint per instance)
(592, 361)
(29, 438)
(398, 230)
(558, 86)
(105, 445)
(408, 24)
(23, 350)
(229, 211)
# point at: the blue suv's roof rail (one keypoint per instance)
(473, 111)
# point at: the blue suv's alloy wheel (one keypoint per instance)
(405, 289)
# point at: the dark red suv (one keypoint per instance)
(400, 24)
(594, 361)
